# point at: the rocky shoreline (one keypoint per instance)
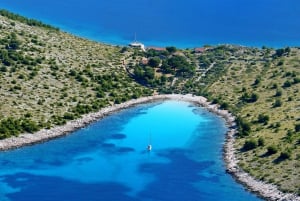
(264, 190)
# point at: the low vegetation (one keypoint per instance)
(261, 88)
(49, 77)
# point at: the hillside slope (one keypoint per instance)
(48, 77)
(263, 91)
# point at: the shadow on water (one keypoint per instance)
(43, 188)
(118, 136)
(112, 149)
(125, 149)
(175, 180)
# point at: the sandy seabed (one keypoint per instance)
(264, 190)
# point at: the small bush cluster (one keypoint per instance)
(13, 127)
(253, 143)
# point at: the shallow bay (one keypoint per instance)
(109, 160)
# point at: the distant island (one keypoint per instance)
(49, 77)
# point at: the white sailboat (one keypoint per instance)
(149, 147)
(137, 44)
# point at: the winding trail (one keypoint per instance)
(267, 191)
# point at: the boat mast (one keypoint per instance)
(135, 37)
(149, 147)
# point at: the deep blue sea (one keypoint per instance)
(182, 23)
(108, 160)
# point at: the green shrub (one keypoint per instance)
(3, 69)
(249, 98)
(244, 127)
(282, 52)
(278, 93)
(249, 145)
(13, 127)
(10, 126)
(261, 142)
(224, 106)
(154, 62)
(277, 103)
(69, 116)
(272, 149)
(257, 81)
(171, 49)
(296, 80)
(29, 125)
(280, 63)
(287, 84)
(285, 155)
(297, 127)
(289, 136)
(263, 119)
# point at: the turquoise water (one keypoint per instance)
(183, 23)
(108, 160)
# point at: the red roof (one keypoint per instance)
(199, 49)
(157, 48)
